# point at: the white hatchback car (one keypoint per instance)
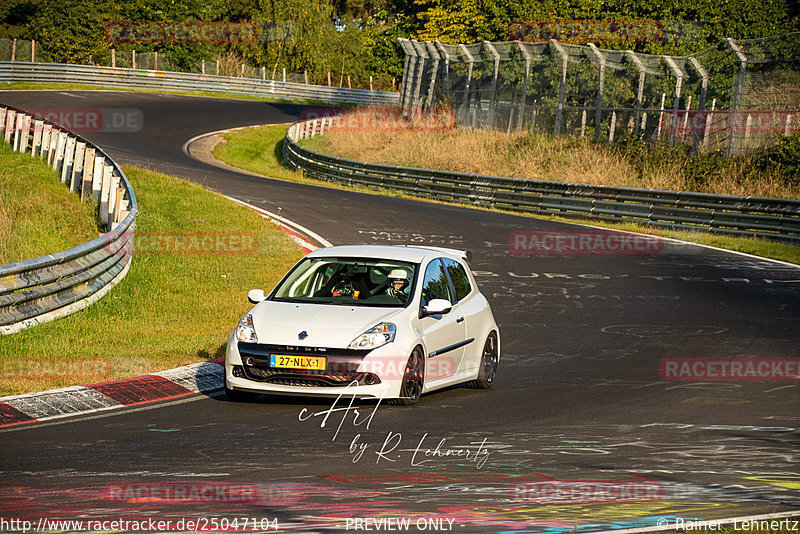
(389, 322)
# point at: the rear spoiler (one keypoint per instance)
(465, 255)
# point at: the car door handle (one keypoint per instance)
(460, 320)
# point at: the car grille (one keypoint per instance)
(341, 366)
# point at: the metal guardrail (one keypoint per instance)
(772, 218)
(189, 81)
(42, 289)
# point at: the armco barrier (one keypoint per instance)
(772, 218)
(42, 289)
(188, 81)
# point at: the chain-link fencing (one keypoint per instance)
(736, 96)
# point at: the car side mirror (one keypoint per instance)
(436, 307)
(256, 295)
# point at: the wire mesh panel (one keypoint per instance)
(735, 97)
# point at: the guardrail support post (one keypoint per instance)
(77, 167)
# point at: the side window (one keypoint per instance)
(459, 278)
(435, 284)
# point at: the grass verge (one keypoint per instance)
(38, 214)
(628, 163)
(30, 86)
(259, 150)
(177, 304)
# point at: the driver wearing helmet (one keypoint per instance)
(398, 282)
(344, 288)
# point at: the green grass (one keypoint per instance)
(48, 86)
(171, 309)
(259, 150)
(38, 214)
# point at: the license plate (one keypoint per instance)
(285, 361)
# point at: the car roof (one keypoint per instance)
(410, 253)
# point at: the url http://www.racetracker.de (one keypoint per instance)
(197, 524)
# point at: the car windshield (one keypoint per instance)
(349, 281)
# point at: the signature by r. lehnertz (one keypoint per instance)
(476, 452)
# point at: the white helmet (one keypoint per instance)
(398, 274)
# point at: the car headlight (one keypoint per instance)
(246, 332)
(374, 337)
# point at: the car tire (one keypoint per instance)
(413, 379)
(488, 366)
(235, 395)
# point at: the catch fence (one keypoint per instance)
(736, 96)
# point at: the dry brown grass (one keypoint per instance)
(539, 157)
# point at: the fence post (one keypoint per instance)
(737, 93)
(701, 105)
(562, 86)
(133, 59)
(155, 60)
(676, 101)
(598, 114)
(433, 53)
(113, 57)
(583, 122)
(612, 127)
(409, 64)
(217, 69)
(640, 90)
(443, 53)
(471, 60)
(13, 49)
(33, 51)
(525, 78)
(709, 119)
(415, 98)
(493, 94)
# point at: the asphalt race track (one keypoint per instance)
(580, 420)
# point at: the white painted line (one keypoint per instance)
(688, 243)
(291, 224)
